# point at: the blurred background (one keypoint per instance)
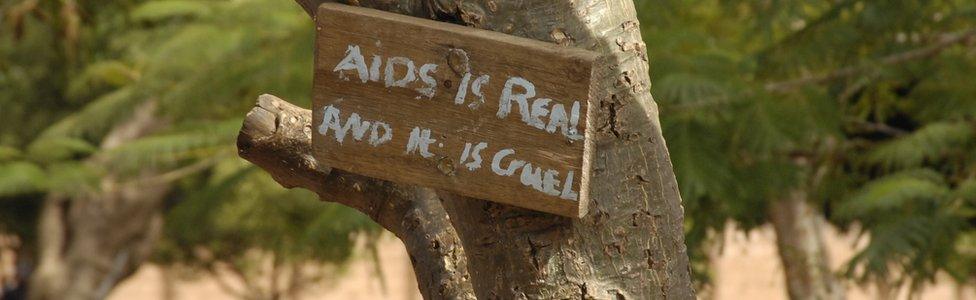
(845, 127)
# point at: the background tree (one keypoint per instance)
(127, 137)
(772, 108)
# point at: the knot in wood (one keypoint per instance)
(560, 37)
(458, 60)
(446, 166)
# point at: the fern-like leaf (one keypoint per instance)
(929, 143)
(19, 178)
(898, 191)
(173, 148)
(53, 149)
(110, 73)
(97, 117)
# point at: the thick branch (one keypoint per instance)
(928, 51)
(276, 136)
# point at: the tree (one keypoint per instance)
(121, 148)
(631, 243)
(912, 184)
(773, 106)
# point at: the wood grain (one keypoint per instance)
(344, 85)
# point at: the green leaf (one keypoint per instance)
(905, 190)
(111, 73)
(97, 117)
(54, 149)
(932, 142)
(169, 149)
(690, 90)
(21, 178)
(72, 178)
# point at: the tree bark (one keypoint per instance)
(631, 244)
(801, 249)
(90, 242)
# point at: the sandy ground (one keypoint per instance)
(748, 268)
(359, 281)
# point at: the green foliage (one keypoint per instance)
(96, 118)
(196, 141)
(21, 178)
(58, 148)
(932, 142)
(914, 219)
(67, 86)
(240, 210)
(167, 9)
(67, 178)
(910, 191)
(884, 147)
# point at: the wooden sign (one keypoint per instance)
(475, 112)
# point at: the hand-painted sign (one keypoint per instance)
(478, 113)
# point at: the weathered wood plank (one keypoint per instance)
(479, 113)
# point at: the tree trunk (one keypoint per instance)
(801, 249)
(89, 242)
(631, 244)
(168, 280)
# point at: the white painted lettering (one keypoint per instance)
(374, 68)
(420, 140)
(465, 153)
(332, 120)
(568, 192)
(476, 90)
(573, 132)
(425, 76)
(375, 139)
(539, 109)
(475, 156)
(550, 184)
(532, 176)
(496, 163)
(566, 124)
(391, 69)
(358, 128)
(353, 61)
(462, 89)
(558, 118)
(505, 104)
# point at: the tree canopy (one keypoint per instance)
(866, 104)
(71, 71)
